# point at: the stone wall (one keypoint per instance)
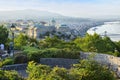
(60, 62)
(111, 61)
(15, 67)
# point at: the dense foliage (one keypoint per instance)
(20, 41)
(20, 58)
(35, 54)
(57, 48)
(85, 70)
(7, 61)
(3, 34)
(55, 42)
(54, 47)
(96, 43)
(89, 43)
(9, 75)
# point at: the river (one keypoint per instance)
(110, 29)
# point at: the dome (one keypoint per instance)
(53, 21)
(38, 25)
(63, 25)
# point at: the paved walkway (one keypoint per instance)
(22, 73)
(5, 54)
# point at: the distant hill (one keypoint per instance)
(27, 14)
(36, 15)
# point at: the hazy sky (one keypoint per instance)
(77, 8)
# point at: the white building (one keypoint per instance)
(37, 30)
(63, 28)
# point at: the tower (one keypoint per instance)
(53, 22)
(105, 33)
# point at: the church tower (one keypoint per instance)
(53, 22)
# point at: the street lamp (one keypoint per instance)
(12, 28)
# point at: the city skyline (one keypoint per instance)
(76, 8)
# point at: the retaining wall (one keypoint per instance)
(111, 61)
(15, 67)
(60, 62)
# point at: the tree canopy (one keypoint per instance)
(21, 40)
(96, 43)
(85, 70)
(3, 34)
(9, 75)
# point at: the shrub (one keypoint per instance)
(34, 56)
(7, 61)
(32, 53)
(27, 49)
(20, 58)
(59, 53)
(37, 71)
(89, 69)
(9, 75)
(67, 53)
(85, 70)
(50, 52)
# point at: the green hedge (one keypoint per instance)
(35, 54)
(7, 61)
(9, 75)
(85, 70)
(27, 49)
(59, 53)
(20, 58)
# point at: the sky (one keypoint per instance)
(75, 8)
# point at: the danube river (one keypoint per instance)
(111, 29)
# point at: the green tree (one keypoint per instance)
(32, 42)
(3, 34)
(91, 70)
(21, 40)
(96, 43)
(52, 42)
(37, 72)
(91, 43)
(9, 75)
(109, 45)
(85, 70)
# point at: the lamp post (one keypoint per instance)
(12, 28)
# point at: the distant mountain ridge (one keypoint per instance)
(37, 15)
(27, 14)
(42, 15)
